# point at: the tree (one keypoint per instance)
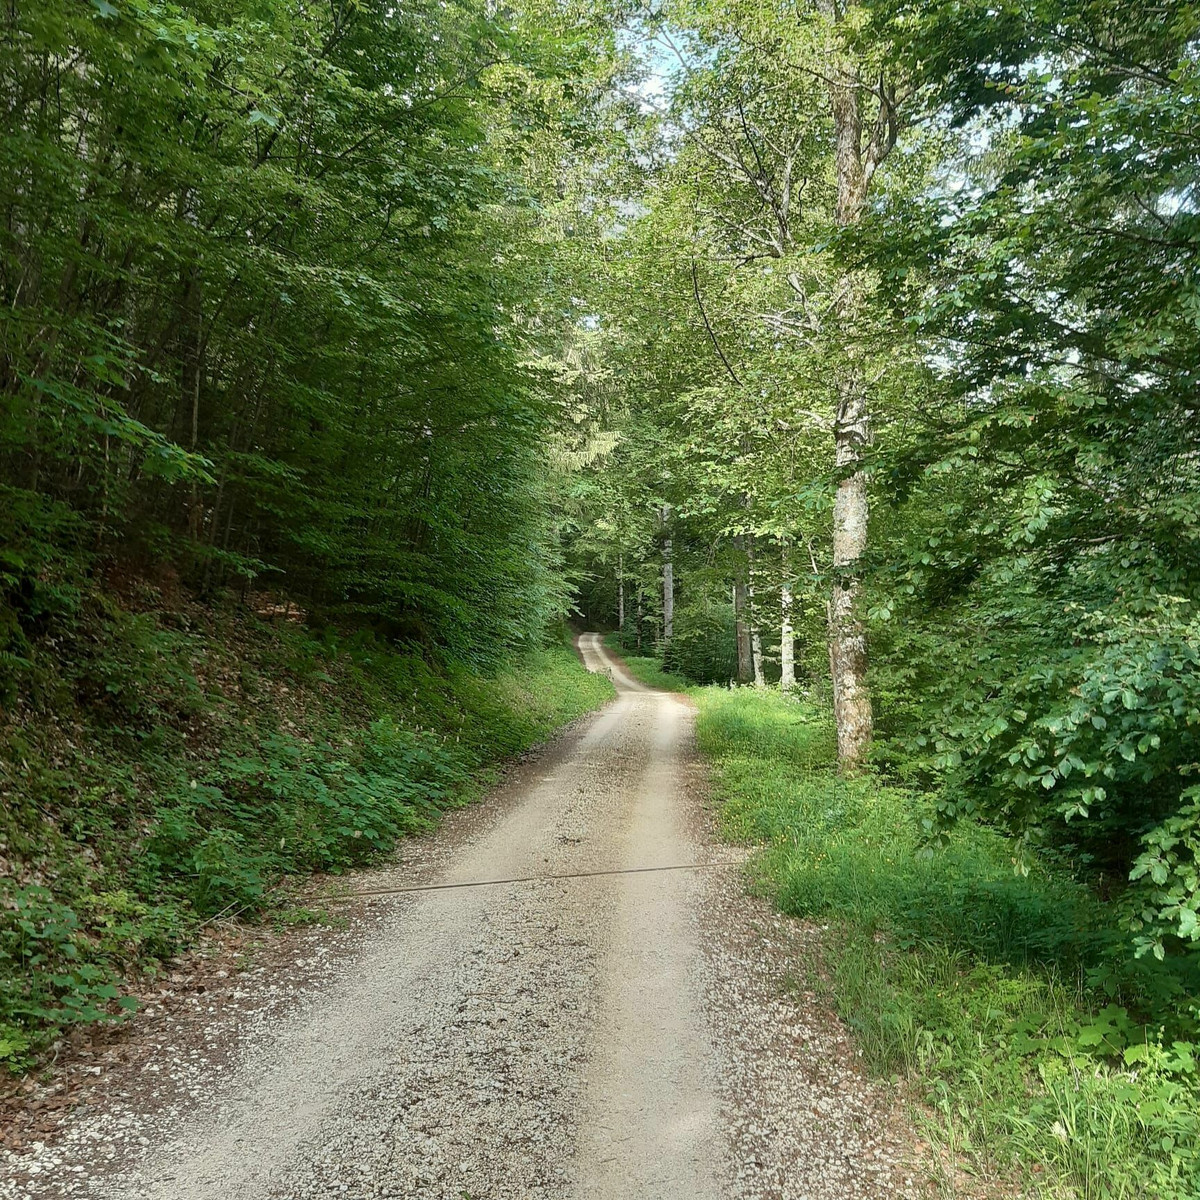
(866, 123)
(1046, 539)
(271, 294)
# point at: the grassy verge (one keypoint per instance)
(648, 670)
(161, 769)
(1043, 1055)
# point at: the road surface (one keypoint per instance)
(600, 1015)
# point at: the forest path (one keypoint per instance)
(564, 1035)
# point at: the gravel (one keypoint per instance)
(592, 1037)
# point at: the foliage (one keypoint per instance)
(1023, 319)
(1039, 565)
(1038, 1044)
(279, 289)
(213, 764)
(440, 319)
(702, 648)
(269, 281)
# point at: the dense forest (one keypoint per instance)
(898, 350)
(279, 548)
(841, 352)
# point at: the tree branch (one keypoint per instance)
(712, 336)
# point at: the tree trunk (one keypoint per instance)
(620, 592)
(787, 644)
(193, 374)
(787, 638)
(852, 432)
(847, 633)
(745, 650)
(756, 655)
(668, 582)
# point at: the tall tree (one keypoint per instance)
(863, 104)
(1045, 507)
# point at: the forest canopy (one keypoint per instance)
(275, 280)
(903, 344)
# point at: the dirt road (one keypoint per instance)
(619, 1023)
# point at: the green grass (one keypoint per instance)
(648, 670)
(1039, 1053)
(169, 769)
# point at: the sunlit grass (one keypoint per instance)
(648, 670)
(997, 998)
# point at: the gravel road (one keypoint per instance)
(594, 1030)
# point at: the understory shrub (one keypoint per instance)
(703, 647)
(998, 984)
(176, 767)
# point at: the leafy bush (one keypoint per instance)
(181, 773)
(703, 647)
(1037, 586)
(1011, 998)
(1080, 732)
(54, 971)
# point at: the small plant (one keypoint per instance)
(50, 976)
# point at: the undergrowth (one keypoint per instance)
(648, 670)
(161, 769)
(1043, 1053)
